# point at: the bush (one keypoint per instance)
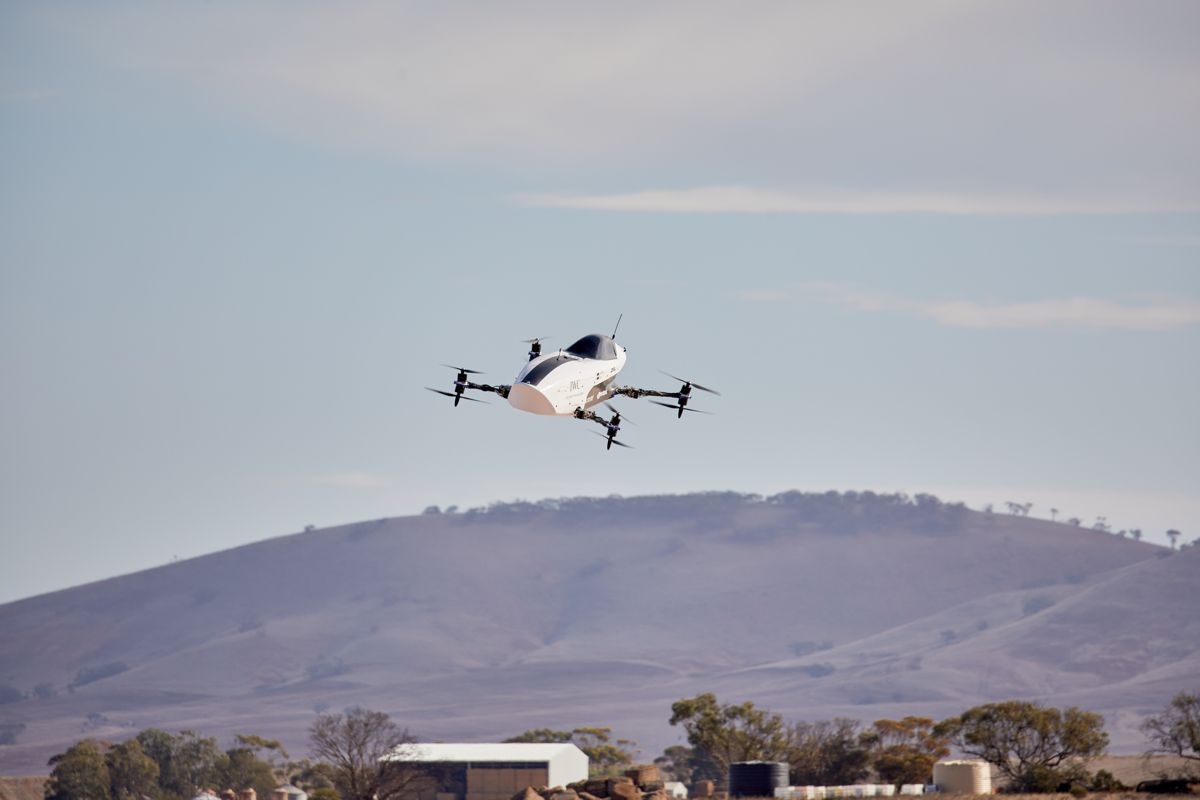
(1104, 781)
(10, 694)
(92, 674)
(1033, 605)
(9, 731)
(1078, 791)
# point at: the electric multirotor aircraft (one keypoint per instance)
(571, 382)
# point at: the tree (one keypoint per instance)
(605, 756)
(904, 751)
(241, 768)
(1176, 731)
(677, 763)
(79, 774)
(1173, 535)
(186, 762)
(723, 734)
(1053, 514)
(830, 753)
(131, 773)
(540, 735)
(1136, 533)
(367, 752)
(1030, 744)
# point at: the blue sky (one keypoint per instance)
(938, 247)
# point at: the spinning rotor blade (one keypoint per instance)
(677, 408)
(619, 413)
(611, 442)
(535, 340)
(458, 396)
(692, 383)
(463, 369)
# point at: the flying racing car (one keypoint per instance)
(571, 382)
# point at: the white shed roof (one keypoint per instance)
(459, 752)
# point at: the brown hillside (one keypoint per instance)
(604, 611)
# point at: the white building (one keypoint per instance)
(478, 771)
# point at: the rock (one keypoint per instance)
(625, 791)
(528, 793)
(587, 796)
(643, 774)
(566, 794)
(596, 786)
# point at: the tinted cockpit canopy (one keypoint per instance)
(594, 346)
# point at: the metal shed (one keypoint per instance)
(483, 771)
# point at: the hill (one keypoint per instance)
(603, 611)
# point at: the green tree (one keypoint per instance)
(827, 753)
(241, 768)
(904, 751)
(131, 773)
(1033, 746)
(78, 774)
(605, 756)
(541, 735)
(186, 762)
(723, 734)
(355, 745)
(677, 763)
(1176, 731)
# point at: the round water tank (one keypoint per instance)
(963, 777)
(756, 778)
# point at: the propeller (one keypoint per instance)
(464, 370)
(618, 414)
(687, 384)
(612, 440)
(457, 396)
(679, 409)
(535, 346)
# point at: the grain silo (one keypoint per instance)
(963, 777)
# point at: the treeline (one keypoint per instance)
(840, 512)
(1035, 748)
(166, 766)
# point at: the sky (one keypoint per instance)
(936, 247)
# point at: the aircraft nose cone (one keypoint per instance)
(529, 398)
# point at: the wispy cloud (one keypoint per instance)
(845, 93)
(1157, 314)
(756, 200)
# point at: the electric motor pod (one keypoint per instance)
(756, 778)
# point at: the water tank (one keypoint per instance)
(756, 778)
(963, 777)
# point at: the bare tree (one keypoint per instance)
(1053, 514)
(367, 752)
(1173, 535)
(1176, 731)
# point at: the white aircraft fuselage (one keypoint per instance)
(579, 377)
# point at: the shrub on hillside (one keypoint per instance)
(92, 674)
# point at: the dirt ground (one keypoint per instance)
(1131, 769)
(21, 788)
